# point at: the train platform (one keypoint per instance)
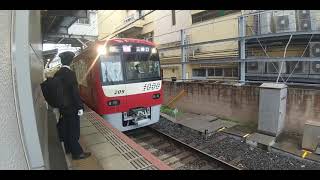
(110, 148)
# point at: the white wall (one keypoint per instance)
(12, 154)
(86, 29)
(23, 120)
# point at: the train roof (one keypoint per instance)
(127, 40)
(116, 41)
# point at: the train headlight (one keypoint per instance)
(156, 96)
(154, 51)
(102, 50)
(113, 103)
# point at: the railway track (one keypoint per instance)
(175, 153)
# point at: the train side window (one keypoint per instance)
(111, 69)
(81, 71)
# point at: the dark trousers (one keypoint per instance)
(71, 132)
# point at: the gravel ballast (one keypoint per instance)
(228, 148)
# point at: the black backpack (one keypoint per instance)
(52, 90)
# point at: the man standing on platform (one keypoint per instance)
(72, 108)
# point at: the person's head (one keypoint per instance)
(66, 57)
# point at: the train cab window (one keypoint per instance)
(111, 69)
(142, 67)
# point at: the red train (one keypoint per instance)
(120, 80)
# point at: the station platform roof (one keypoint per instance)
(55, 25)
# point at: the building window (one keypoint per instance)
(210, 14)
(211, 72)
(140, 14)
(83, 21)
(218, 72)
(173, 15)
(235, 72)
(228, 72)
(199, 72)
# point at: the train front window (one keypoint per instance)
(111, 69)
(142, 67)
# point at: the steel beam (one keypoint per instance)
(281, 34)
(183, 53)
(71, 13)
(245, 38)
(242, 50)
(62, 30)
(88, 37)
(83, 44)
(228, 60)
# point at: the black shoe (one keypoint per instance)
(82, 156)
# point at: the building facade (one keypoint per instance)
(85, 26)
(224, 44)
(163, 27)
(290, 38)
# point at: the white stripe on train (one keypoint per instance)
(131, 89)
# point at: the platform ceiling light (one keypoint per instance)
(102, 50)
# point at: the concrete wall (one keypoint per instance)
(164, 31)
(174, 71)
(242, 103)
(12, 154)
(36, 72)
(23, 121)
(108, 21)
(218, 28)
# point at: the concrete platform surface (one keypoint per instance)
(256, 139)
(292, 145)
(110, 148)
(202, 123)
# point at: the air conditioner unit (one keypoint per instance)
(315, 52)
(274, 67)
(315, 20)
(296, 67)
(314, 49)
(284, 21)
(255, 67)
(265, 22)
(303, 19)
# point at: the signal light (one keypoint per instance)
(156, 96)
(113, 103)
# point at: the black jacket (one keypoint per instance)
(71, 93)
